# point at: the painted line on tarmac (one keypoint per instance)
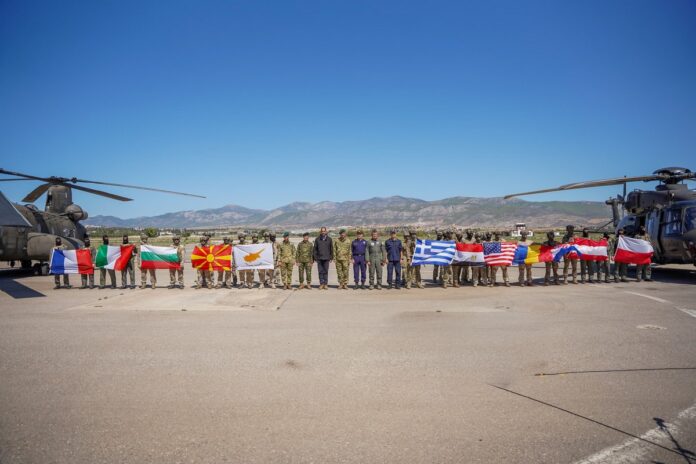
(654, 298)
(634, 450)
(690, 312)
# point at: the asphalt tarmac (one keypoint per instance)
(587, 373)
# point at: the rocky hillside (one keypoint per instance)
(461, 211)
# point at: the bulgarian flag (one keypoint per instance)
(633, 251)
(113, 256)
(157, 257)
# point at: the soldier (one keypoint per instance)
(477, 269)
(305, 261)
(643, 271)
(286, 257)
(145, 272)
(550, 265)
(103, 271)
(224, 276)
(357, 254)
(341, 253)
(244, 279)
(260, 272)
(571, 259)
(446, 270)
(129, 270)
(263, 280)
(376, 257)
(468, 239)
(493, 270)
(488, 272)
(415, 270)
(524, 267)
(436, 269)
(586, 266)
(173, 273)
(275, 278)
(406, 256)
(604, 266)
(323, 255)
(394, 250)
(458, 267)
(620, 269)
(93, 257)
(205, 278)
(66, 277)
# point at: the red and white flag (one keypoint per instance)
(591, 250)
(633, 251)
(469, 253)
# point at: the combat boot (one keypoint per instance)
(379, 286)
(371, 287)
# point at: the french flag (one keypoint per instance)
(591, 250)
(470, 253)
(71, 262)
(633, 251)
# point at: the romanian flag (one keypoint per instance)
(212, 258)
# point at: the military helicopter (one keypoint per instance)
(668, 212)
(28, 234)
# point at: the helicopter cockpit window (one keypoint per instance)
(672, 225)
(690, 218)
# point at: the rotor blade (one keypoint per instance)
(27, 176)
(98, 192)
(589, 184)
(10, 180)
(136, 187)
(36, 193)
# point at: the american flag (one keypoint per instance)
(499, 253)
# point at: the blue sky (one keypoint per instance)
(264, 103)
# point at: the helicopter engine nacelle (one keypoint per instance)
(76, 213)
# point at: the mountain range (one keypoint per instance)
(389, 211)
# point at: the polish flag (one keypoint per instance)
(633, 251)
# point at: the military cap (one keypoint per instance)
(342, 231)
(286, 234)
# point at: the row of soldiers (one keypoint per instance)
(366, 255)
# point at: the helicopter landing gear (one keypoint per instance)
(41, 269)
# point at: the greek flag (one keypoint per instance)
(436, 252)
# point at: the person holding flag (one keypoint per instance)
(620, 269)
(570, 259)
(56, 277)
(145, 272)
(92, 255)
(176, 275)
(643, 271)
(552, 265)
(103, 269)
(523, 267)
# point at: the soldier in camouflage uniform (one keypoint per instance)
(550, 265)
(176, 276)
(261, 272)
(407, 271)
(56, 277)
(342, 255)
(643, 271)
(569, 261)
(145, 272)
(477, 270)
(129, 269)
(224, 276)
(446, 270)
(620, 269)
(244, 280)
(103, 271)
(93, 255)
(457, 268)
(586, 266)
(286, 258)
(605, 266)
(305, 260)
(468, 239)
(493, 270)
(488, 272)
(437, 276)
(275, 279)
(376, 257)
(415, 270)
(205, 278)
(523, 267)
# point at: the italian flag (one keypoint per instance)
(157, 257)
(113, 256)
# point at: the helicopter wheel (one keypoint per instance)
(44, 269)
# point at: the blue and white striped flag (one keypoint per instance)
(437, 252)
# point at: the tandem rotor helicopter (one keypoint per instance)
(668, 212)
(28, 234)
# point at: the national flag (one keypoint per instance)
(558, 252)
(71, 262)
(499, 253)
(114, 257)
(591, 250)
(253, 256)
(212, 258)
(633, 251)
(530, 253)
(158, 257)
(435, 252)
(469, 253)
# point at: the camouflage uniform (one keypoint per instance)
(129, 270)
(406, 257)
(286, 258)
(205, 278)
(477, 271)
(224, 276)
(550, 265)
(376, 256)
(265, 274)
(275, 279)
(304, 257)
(568, 261)
(587, 267)
(446, 270)
(89, 277)
(620, 269)
(523, 267)
(493, 270)
(342, 255)
(457, 268)
(643, 271)
(437, 276)
(605, 266)
(415, 270)
(66, 277)
(145, 272)
(174, 273)
(103, 271)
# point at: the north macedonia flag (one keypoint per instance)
(212, 258)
